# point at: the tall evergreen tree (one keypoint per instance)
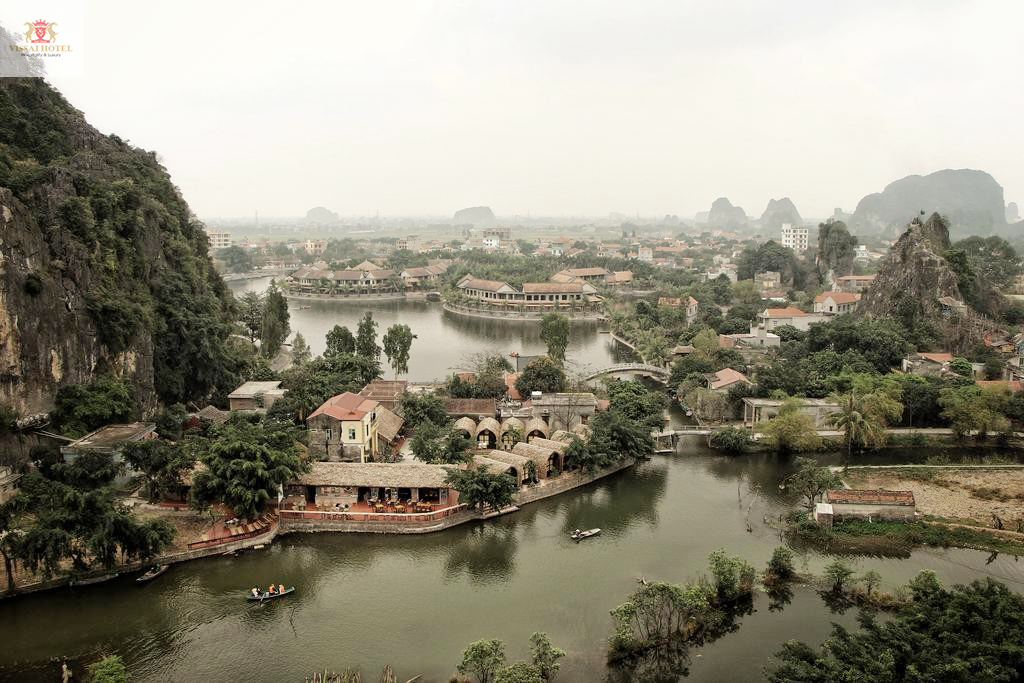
(366, 338)
(275, 327)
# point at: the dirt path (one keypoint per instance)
(973, 494)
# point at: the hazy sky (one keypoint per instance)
(554, 107)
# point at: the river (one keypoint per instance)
(443, 340)
(415, 602)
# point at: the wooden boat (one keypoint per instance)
(154, 571)
(91, 580)
(584, 534)
(269, 596)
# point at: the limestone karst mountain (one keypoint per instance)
(918, 285)
(777, 212)
(972, 202)
(103, 267)
(724, 215)
(474, 215)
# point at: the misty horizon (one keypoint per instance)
(566, 109)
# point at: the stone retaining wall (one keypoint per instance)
(565, 482)
(517, 316)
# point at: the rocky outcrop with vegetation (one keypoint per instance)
(923, 283)
(724, 215)
(971, 200)
(103, 268)
(779, 211)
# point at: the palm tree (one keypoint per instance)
(863, 418)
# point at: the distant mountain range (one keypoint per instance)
(971, 200)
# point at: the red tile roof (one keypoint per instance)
(869, 497)
(347, 406)
(937, 357)
(727, 377)
(788, 312)
(838, 297)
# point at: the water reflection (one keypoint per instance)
(616, 504)
(485, 555)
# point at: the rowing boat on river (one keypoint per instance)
(269, 596)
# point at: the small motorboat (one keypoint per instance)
(154, 571)
(269, 596)
(580, 535)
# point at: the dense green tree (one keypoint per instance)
(397, 342)
(80, 408)
(544, 375)
(339, 341)
(656, 613)
(300, 350)
(838, 575)
(89, 526)
(791, 431)
(966, 633)
(480, 489)
(554, 332)
(971, 409)
(518, 672)
(780, 565)
(882, 341)
(162, 464)
(423, 408)
(247, 460)
(275, 326)
(961, 366)
(170, 421)
(236, 259)
(110, 669)
(615, 437)
(810, 481)
(433, 444)
(311, 384)
(366, 337)
(544, 656)
(251, 314)
(731, 439)
(483, 659)
(864, 418)
(991, 258)
(636, 402)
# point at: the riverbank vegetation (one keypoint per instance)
(68, 516)
(964, 633)
(655, 626)
(897, 539)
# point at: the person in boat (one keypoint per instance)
(577, 532)
(272, 590)
(255, 592)
(280, 588)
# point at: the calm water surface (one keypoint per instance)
(443, 341)
(416, 601)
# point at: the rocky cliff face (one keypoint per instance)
(780, 211)
(971, 200)
(915, 276)
(724, 215)
(103, 269)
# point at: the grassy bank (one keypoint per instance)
(899, 538)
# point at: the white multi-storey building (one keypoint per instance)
(220, 240)
(795, 238)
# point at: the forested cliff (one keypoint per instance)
(103, 268)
